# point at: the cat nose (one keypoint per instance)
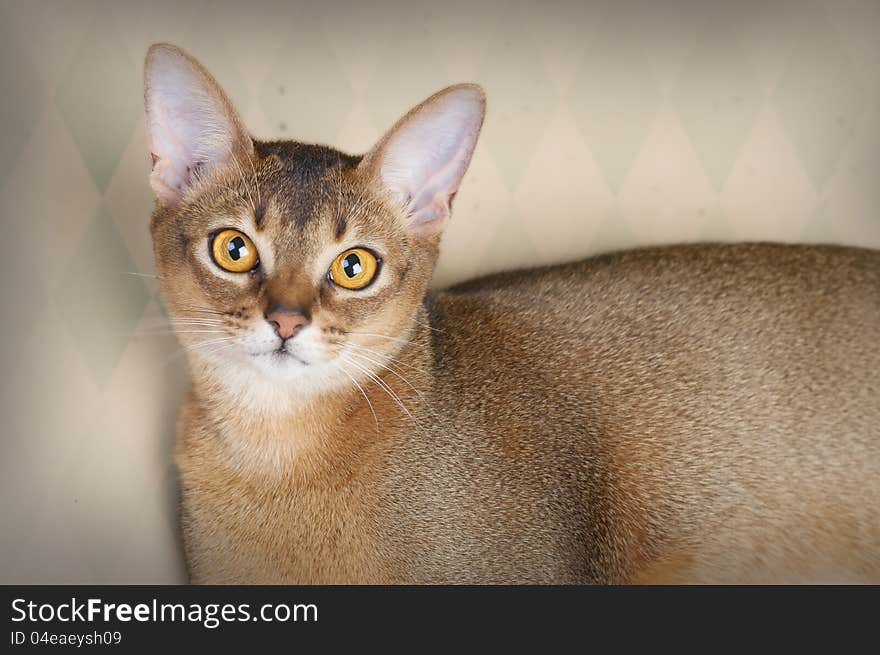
(286, 322)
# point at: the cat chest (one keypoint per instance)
(277, 532)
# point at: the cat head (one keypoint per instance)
(292, 263)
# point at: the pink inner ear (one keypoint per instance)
(191, 124)
(425, 156)
(169, 177)
(169, 183)
(183, 133)
(434, 202)
(165, 182)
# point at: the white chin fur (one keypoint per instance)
(258, 376)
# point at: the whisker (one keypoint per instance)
(196, 319)
(154, 324)
(201, 310)
(364, 200)
(393, 372)
(140, 274)
(200, 178)
(205, 343)
(191, 347)
(159, 333)
(243, 180)
(217, 348)
(234, 158)
(256, 183)
(364, 393)
(208, 342)
(205, 310)
(177, 353)
(389, 358)
(338, 170)
(384, 336)
(385, 388)
(427, 326)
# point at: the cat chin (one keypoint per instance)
(269, 375)
(285, 368)
(281, 360)
(273, 388)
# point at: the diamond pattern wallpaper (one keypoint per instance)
(610, 125)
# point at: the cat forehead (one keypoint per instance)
(303, 178)
(301, 196)
(306, 159)
(297, 196)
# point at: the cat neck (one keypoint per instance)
(272, 429)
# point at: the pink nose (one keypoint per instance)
(286, 323)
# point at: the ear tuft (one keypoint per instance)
(192, 126)
(423, 158)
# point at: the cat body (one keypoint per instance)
(702, 413)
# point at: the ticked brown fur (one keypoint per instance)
(701, 413)
(693, 414)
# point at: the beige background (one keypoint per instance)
(610, 125)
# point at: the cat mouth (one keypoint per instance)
(281, 355)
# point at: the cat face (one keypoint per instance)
(330, 254)
(288, 263)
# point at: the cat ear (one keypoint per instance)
(192, 126)
(422, 159)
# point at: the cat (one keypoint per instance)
(680, 414)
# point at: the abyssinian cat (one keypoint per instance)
(702, 413)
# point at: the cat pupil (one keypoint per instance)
(237, 249)
(352, 265)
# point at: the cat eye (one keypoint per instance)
(233, 251)
(354, 269)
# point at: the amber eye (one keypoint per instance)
(233, 251)
(354, 269)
